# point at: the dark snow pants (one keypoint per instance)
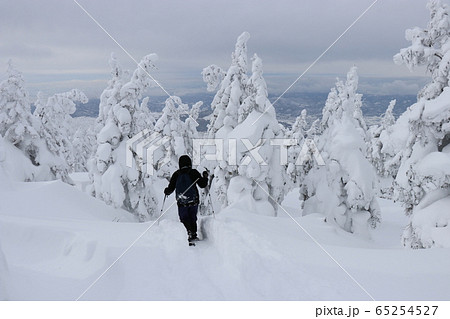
(188, 216)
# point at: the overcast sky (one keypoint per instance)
(58, 47)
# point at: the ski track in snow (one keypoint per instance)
(58, 240)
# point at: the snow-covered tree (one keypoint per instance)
(430, 48)
(256, 91)
(84, 143)
(17, 124)
(192, 124)
(302, 156)
(258, 123)
(122, 116)
(28, 134)
(297, 132)
(212, 76)
(424, 176)
(345, 187)
(232, 90)
(299, 128)
(131, 94)
(245, 121)
(388, 118)
(111, 94)
(170, 125)
(422, 183)
(382, 153)
(143, 118)
(56, 127)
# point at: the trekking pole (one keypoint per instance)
(209, 195)
(162, 208)
(211, 204)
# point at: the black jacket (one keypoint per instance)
(185, 165)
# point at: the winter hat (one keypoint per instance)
(184, 161)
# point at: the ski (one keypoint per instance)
(204, 205)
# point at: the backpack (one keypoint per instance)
(186, 190)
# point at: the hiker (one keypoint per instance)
(184, 181)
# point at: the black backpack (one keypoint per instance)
(185, 190)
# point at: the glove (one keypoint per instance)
(205, 174)
(166, 191)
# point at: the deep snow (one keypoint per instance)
(57, 240)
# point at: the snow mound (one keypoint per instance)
(3, 277)
(18, 166)
(431, 223)
(57, 200)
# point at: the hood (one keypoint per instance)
(184, 161)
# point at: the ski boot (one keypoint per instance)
(192, 238)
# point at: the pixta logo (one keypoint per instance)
(142, 148)
(230, 150)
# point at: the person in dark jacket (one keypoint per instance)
(184, 182)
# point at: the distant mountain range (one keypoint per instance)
(288, 107)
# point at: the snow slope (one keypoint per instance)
(58, 240)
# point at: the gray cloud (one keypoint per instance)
(54, 37)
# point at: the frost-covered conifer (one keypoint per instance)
(84, 143)
(179, 143)
(298, 133)
(122, 116)
(192, 124)
(430, 48)
(388, 118)
(17, 125)
(423, 178)
(256, 91)
(381, 152)
(56, 127)
(212, 76)
(143, 117)
(422, 183)
(111, 95)
(246, 123)
(345, 187)
(44, 139)
(232, 90)
(303, 154)
(300, 125)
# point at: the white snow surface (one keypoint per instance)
(57, 240)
